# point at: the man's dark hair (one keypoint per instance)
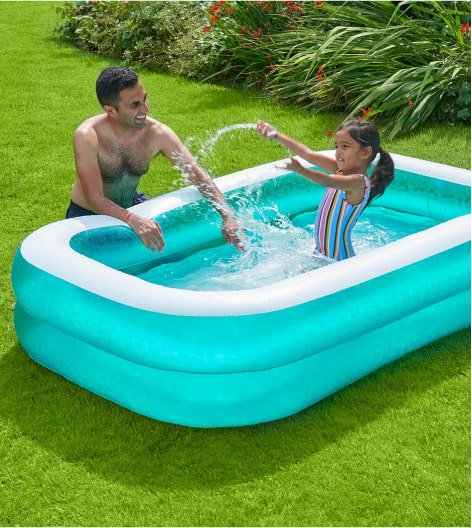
(111, 82)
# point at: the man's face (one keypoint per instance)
(133, 106)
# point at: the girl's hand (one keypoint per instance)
(266, 130)
(292, 165)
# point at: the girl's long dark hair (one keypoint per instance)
(367, 135)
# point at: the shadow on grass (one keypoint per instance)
(122, 446)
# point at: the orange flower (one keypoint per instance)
(230, 10)
(465, 28)
(321, 68)
(319, 4)
(366, 111)
(320, 77)
(410, 103)
(214, 9)
(214, 20)
(329, 133)
(207, 28)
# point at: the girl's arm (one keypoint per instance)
(345, 182)
(325, 162)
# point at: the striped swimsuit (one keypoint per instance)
(334, 222)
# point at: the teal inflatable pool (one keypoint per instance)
(212, 358)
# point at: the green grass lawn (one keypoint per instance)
(391, 450)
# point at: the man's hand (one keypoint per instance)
(230, 230)
(149, 231)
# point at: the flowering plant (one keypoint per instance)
(405, 62)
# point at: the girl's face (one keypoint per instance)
(350, 155)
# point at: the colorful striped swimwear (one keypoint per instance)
(334, 222)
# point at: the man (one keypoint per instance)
(113, 150)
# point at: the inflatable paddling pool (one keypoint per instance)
(227, 358)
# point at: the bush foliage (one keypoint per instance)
(159, 36)
(404, 61)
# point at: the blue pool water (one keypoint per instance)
(277, 248)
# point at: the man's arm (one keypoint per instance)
(179, 156)
(90, 179)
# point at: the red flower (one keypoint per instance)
(257, 33)
(465, 28)
(230, 10)
(320, 77)
(220, 3)
(214, 9)
(273, 66)
(319, 4)
(366, 111)
(410, 103)
(207, 28)
(329, 133)
(214, 20)
(294, 9)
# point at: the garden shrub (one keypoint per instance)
(155, 35)
(404, 61)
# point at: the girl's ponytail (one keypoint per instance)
(382, 175)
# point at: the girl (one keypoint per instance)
(349, 189)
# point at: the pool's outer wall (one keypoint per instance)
(230, 370)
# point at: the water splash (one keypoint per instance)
(200, 151)
(209, 145)
(204, 149)
(275, 248)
